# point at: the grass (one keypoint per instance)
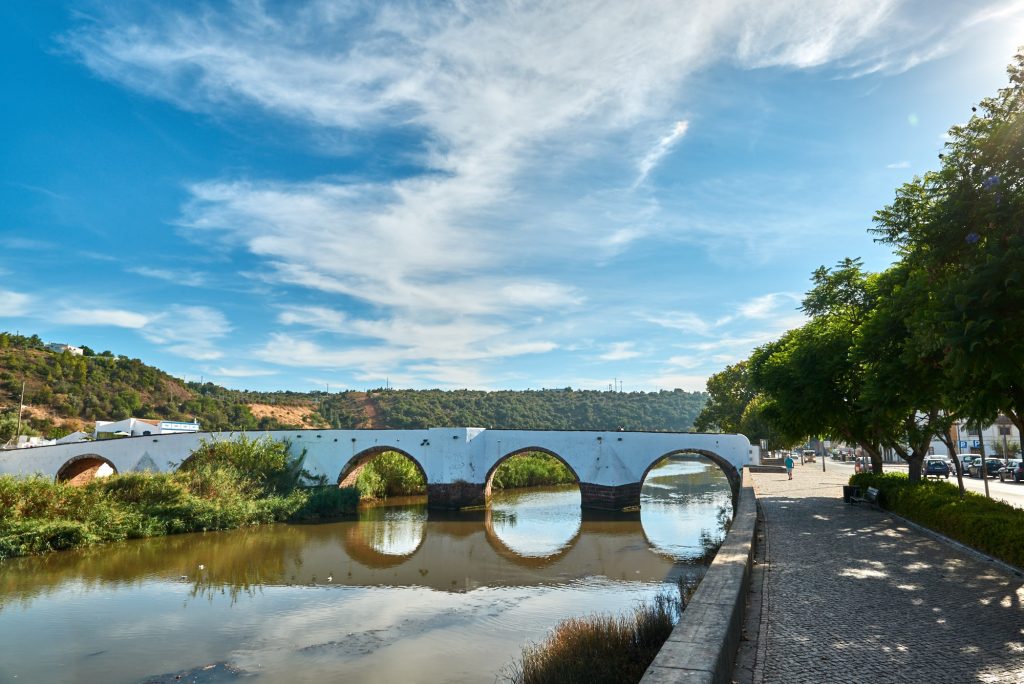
(225, 485)
(602, 649)
(994, 527)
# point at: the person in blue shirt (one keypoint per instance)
(789, 466)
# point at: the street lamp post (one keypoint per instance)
(984, 459)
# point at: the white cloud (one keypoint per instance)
(660, 149)
(315, 317)
(898, 165)
(118, 318)
(376, 360)
(15, 303)
(179, 277)
(242, 372)
(514, 108)
(509, 98)
(774, 305)
(685, 321)
(686, 362)
(620, 351)
(188, 331)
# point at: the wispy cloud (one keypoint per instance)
(520, 86)
(243, 372)
(15, 303)
(898, 165)
(663, 147)
(118, 318)
(471, 252)
(620, 351)
(26, 244)
(189, 331)
(179, 277)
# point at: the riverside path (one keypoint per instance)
(851, 594)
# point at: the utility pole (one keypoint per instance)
(984, 459)
(21, 409)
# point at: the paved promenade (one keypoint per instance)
(852, 595)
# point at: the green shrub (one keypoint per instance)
(531, 469)
(993, 527)
(229, 485)
(390, 474)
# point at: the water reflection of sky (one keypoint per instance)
(537, 523)
(681, 501)
(394, 530)
(401, 595)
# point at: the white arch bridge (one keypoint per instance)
(457, 463)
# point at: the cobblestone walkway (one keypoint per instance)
(853, 595)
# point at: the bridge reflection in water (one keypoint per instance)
(525, 545)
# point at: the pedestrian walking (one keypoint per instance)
(789, 466)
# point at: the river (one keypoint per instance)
(400, 595)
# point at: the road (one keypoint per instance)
(1010, 492)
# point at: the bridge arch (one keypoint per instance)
(731, 473)
(80, 470)
(524, 450)
(354, 466)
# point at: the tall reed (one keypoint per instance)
(600, 649)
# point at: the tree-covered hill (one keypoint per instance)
(65, 392)
(565, 409)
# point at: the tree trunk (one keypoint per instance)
(876, 457)
(956, 465)
(915, 460)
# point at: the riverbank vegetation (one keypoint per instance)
(891, 360)
(994, 527)
(393, 474)
(602, 649)
(224, 485)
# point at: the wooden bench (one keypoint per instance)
(870, 497)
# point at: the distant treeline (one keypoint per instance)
(565, 409)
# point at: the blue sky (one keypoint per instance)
(286, 195)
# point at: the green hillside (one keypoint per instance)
(565, 409)
(64, 392)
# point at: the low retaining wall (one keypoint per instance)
(702, 647)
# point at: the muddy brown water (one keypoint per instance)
(401, 594)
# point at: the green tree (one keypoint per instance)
(729, 393)
(904, 386)
(962, 226)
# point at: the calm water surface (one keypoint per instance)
(399, 595)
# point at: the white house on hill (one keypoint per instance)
(140, 427)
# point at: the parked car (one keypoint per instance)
(992, 465)
(1013, 470)
(936, 467)
(965, 461)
